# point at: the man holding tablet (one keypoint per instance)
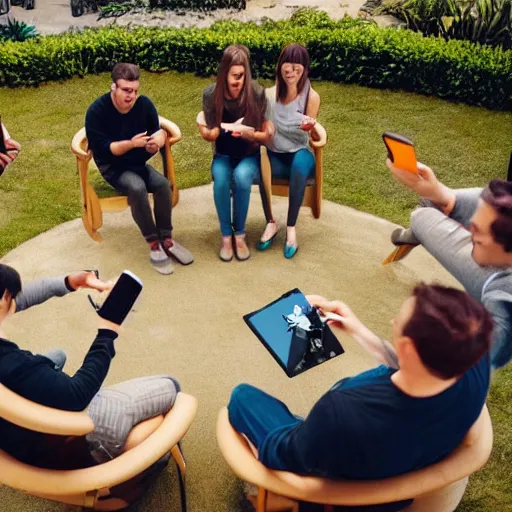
(386, 421)
(469, 231)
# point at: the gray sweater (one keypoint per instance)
(497, 291)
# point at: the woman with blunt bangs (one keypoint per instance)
(293, 108)
(234, 119)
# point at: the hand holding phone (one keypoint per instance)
(401, 152)
(121, 299)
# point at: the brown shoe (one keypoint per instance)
(242, 252)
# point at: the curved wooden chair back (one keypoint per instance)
(91, 487)
(92, 207)
(439, 486)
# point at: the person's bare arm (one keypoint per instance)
(312, 110)
(425, 184)
(382, 350)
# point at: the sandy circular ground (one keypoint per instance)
(190, 324)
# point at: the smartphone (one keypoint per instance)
(3, 149)
(401, 152)
(121, 299)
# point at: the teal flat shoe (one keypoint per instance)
(263, 246)
(290, 251)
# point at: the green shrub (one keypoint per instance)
(351, 53)
(15, 30)
(487, 22)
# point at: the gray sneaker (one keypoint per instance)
(177, 251)
(402, 236)
(160, 261)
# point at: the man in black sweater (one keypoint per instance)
(124, 132)
(40, 378)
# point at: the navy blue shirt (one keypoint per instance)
(366, 428)
(104, 124)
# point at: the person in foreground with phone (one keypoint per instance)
(234, 110)
(12, 149)
(124, 132)
(294, 107)
(40, 378)
(408, 413)
(469, 231)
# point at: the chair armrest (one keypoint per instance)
(201, 119)
(172, 129)
(39, 418)
(321, 137)
(461, 463)
(132, 462)
(78, 143)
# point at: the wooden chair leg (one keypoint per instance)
(261, 505)
(177, 455)
(399, 253)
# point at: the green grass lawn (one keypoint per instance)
(466, 146)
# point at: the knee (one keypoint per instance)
(244, 177)
(163, 185)
(240, 396)
(421, 218)
(137, 193)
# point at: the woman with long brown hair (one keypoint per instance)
(294, 109)
(239, 105)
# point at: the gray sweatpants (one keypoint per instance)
(449, 241)
(115, 410)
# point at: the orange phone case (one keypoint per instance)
(401, 152)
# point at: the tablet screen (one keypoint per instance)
(292, 331)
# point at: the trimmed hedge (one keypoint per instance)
(346, 51)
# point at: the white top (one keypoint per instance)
(287, 119)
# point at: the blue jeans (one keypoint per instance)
(297, 168)
(235, 174)
(255, 413)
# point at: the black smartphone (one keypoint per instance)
(121, 299)
(3, 148)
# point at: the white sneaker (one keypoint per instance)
(160, 261)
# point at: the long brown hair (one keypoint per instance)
(296, 54)
(235, 55)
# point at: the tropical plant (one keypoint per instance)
(17, 31)
(487, 22)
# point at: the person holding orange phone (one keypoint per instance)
(9, 148)
(469, 231)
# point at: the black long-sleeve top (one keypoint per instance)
(35, 377)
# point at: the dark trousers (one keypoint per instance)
(136, 185)
(296, 168)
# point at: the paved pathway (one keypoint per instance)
(53, 16)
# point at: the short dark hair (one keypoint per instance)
(10, 280)
(450, 330)
(125, 71)
(498, 194)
